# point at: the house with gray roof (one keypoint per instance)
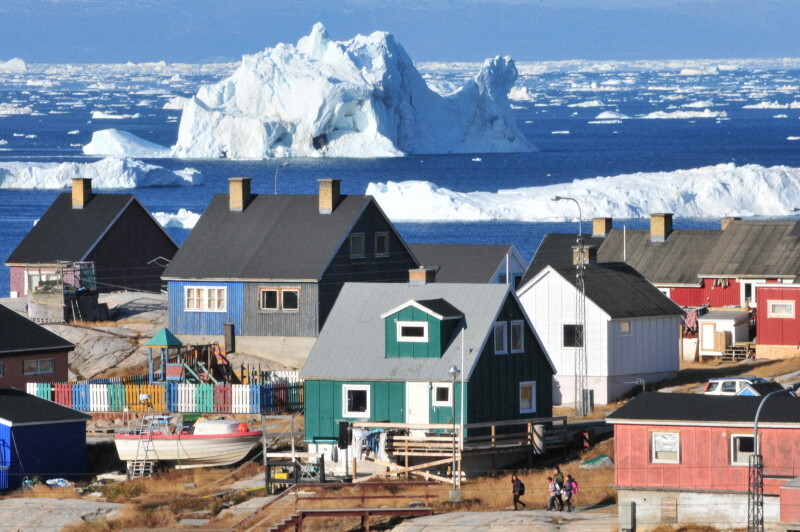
(631, 332)
(266, 269)
(472, 263)
(386, 349)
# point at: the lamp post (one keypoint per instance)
(581, 363)
(755, 492)
(455, 493)
(284, 165)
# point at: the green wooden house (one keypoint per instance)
(385, 352)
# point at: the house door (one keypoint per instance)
(418, 402)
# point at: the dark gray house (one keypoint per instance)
(471, 263)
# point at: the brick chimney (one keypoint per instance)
(239, 193)
(660, 226)
(328, 194)
(81, 192)
(601, 227)
(727, 221)
(589, 255)
(422, 275)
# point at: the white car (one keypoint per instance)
(730, 385)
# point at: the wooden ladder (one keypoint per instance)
(143, 464)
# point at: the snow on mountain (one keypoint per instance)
(120, 143)
(105, 173)
(13, 66)
(358, 98)
(708, 192)
(184, 218)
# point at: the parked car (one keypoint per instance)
(730, 385)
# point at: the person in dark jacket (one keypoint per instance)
(518, 490)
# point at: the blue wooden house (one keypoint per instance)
(267, 268)
(385, 352)
(39, 438)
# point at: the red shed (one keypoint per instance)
(778, 320)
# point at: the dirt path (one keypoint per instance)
(510, 521)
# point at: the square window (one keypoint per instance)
(442, 395)
(355, 402)
(573, 335)
(665, 447)
(517, 336)
(357, 245)
(291, 300)
(382, 244)
(500, 347)
(527, 397)
(625, 327)
(780, 309)
(741, 449)
(412, 331)
(269, 299)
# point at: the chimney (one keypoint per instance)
(239, 193)
(660, 226)
(727, 221)
(81, 192)
(601, 227)
(589, 255)
(328, 194)
(422, 275)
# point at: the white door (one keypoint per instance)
(418, 402)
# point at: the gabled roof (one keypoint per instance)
(438, 308)
(620, 291)
(755, 248)
(555, 249)
(686, 408)
(462, 263)
(20, 336)
(67, 234)
(676, 261)
(19, 408)
(761, 388)
(352, 343)
(276, 237)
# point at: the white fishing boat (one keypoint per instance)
(209, 442)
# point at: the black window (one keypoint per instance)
(269, 299)
(356, 400)
(291, 300)
(357, 245)
(381, 244)
(442, 394)
(573, 335)
(412, 331)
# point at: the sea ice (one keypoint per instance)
(12, 109)
(13, 66)
(108, 173)
(112, 116)
(117, 143)
(358, 98)
(706, 113)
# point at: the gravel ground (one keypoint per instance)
(46, 514)
(511, 521)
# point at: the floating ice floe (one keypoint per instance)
(109, 173)
(520, 94)
(706, 113)
(611, 115)
(184, 219)
(12, 109)
(358, 98)
(590, 103)
(713, 191)
(117, 143)
(97, 115)
(772, 105)
(699, 105)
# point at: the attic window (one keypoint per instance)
(412, 331)
(357, 246)
(517, 336)
(500, 343)
(573, 335)
(381, 244)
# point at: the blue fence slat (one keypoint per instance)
(172, 396)
(81, 399)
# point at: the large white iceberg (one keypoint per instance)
(708, 192)
(13, 66)
(120, 143)
(106, 173)
(358, 98)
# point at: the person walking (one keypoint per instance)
(553, 502)
(569, 490)
(518, 489)
(558, 478)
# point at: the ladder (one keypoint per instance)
(76, 311)
(142, 465)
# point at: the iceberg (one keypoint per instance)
(12, 109)
(13, 66)
(712, 191)
(102, 115)
(706, 113)
(109, 173)
(120, 143)
(184, 219)
(358, 98)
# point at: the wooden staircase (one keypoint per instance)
(738, 352)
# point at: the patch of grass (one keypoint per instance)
(122, 491)
(45, 491)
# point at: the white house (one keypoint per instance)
(632, 329)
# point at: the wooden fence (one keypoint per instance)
(272, 398)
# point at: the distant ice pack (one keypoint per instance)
(358, 98)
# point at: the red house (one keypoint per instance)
(778, 320)
(683, 458)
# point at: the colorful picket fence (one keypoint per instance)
(273, 398)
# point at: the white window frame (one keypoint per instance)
(780, 315)
(382, 234)
(625, 327)
(532, 386)
(38, 370)
(521, 325)
(206, 298)
(354, 237)
(733, 438)
(355, 387)
(653, 450)
(413, 339)
(504, 330)
(447, 386)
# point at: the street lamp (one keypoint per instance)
(284, 165)
(455, 493)
(580, 213)
(755, 492)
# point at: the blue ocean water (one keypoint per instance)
(62, 100)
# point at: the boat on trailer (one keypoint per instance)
(208, 442)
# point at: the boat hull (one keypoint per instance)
(187, 450)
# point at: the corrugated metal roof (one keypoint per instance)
(441, 307)
(68, 234)
(19, 336)
(17, 407)
(724, 315)
(621, 291)
(275, 237)
(352, 343)
(461, 263)
(555, 249)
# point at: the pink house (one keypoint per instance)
(683, 458)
